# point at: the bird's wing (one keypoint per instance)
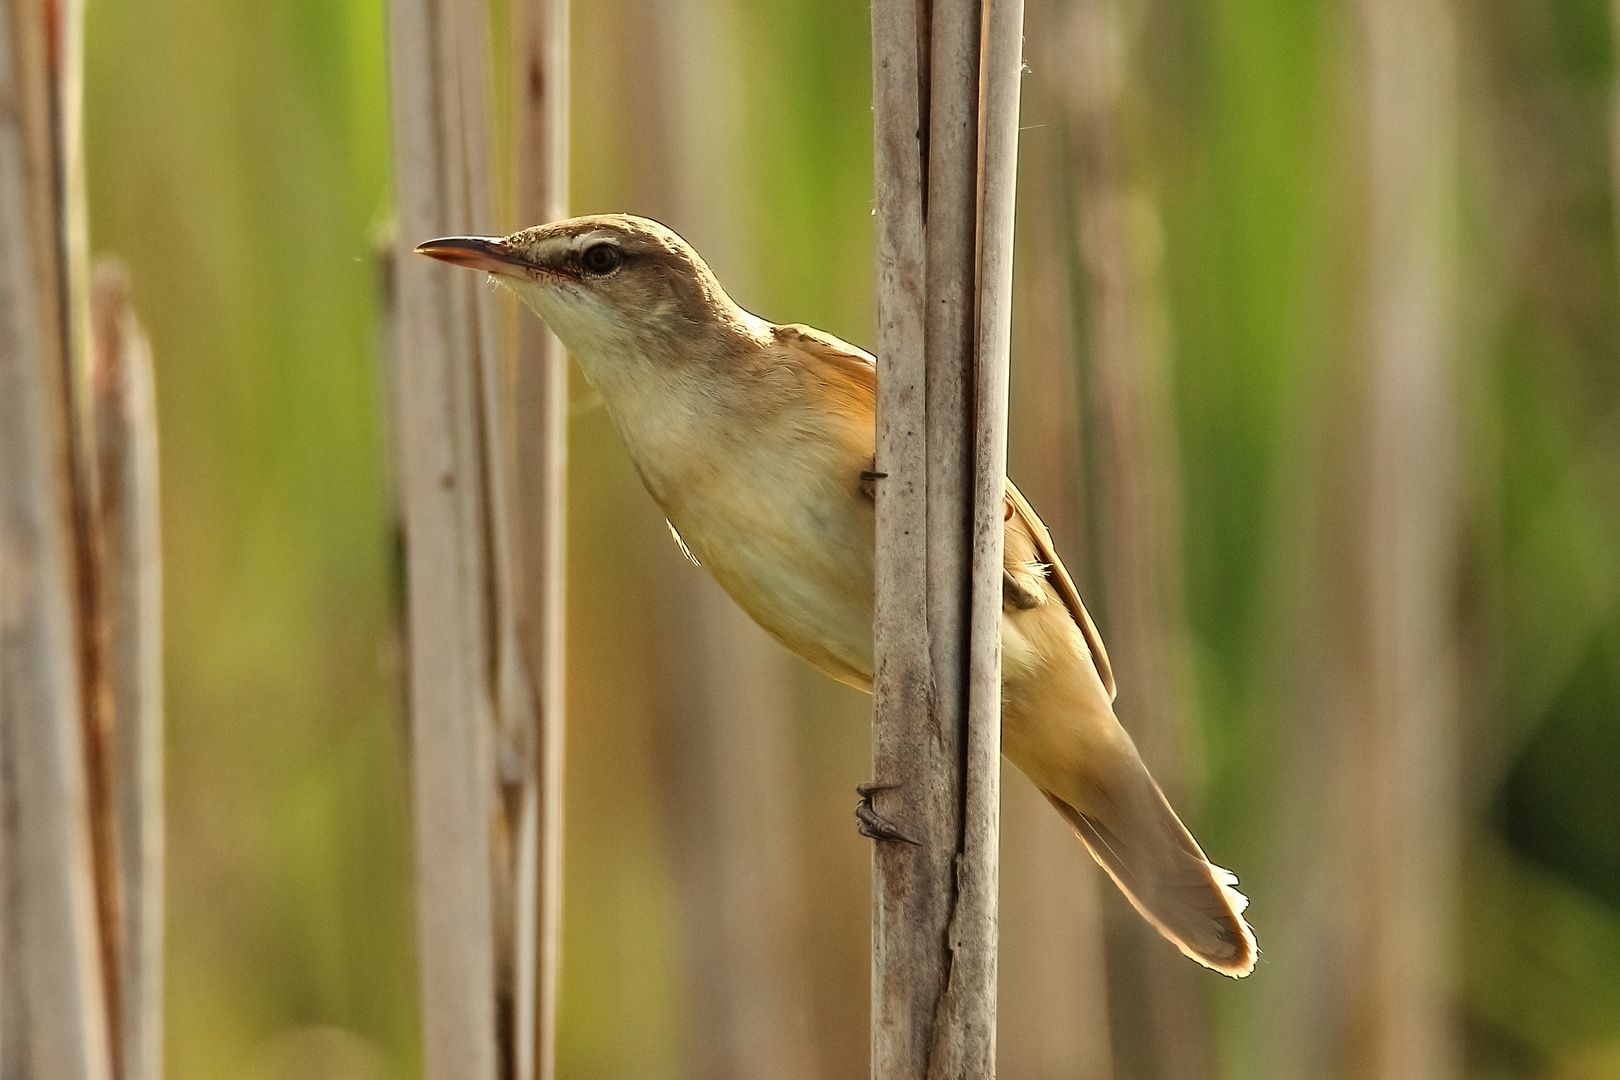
(1060, 579)
(851, 371)
(848, 372)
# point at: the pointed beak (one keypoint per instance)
(487, 253)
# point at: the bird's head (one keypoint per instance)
(612, 287)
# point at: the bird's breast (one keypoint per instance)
(777, 515)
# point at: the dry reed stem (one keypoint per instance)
(485, 634)
(942, 444)
(125, 525)
(1404, 631)
(440, 337)
(1369, 800)
(540, 444)
(53, 1023)
(909, 883)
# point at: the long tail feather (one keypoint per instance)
(1135, 836)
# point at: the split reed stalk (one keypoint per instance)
(945, 213)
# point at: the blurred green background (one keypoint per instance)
(238, 163)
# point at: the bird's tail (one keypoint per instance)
(1130, 829)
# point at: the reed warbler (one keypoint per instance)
(753, 439)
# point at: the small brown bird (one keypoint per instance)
(752, 438)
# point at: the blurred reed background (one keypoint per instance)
(1195, 410)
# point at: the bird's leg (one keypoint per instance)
(870, 823)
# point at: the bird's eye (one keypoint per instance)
(602, 258)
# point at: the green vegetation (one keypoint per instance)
(238, 162)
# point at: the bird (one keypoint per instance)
(757, 442)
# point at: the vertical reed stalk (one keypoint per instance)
(540, 446)
(1368, 815)
(54, 989)
(944, 279)
(911, 885)
(1403, 628)
(442, 331)
(483, 452)
(124, 518)
(975, 920)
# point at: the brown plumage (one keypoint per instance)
(752, 438)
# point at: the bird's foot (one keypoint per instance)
(869, 479)
(870, 823)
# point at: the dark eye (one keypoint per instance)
(602, 258)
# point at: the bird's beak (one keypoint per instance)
(488, 253)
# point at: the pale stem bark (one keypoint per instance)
(126, 527)
(515, 825)
(974, 922)
(951, 235)
(442, 334)
(540, 443)
(941, 459)
(53, 1021)
(94, 630)
(951, 226)
(909, 884)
